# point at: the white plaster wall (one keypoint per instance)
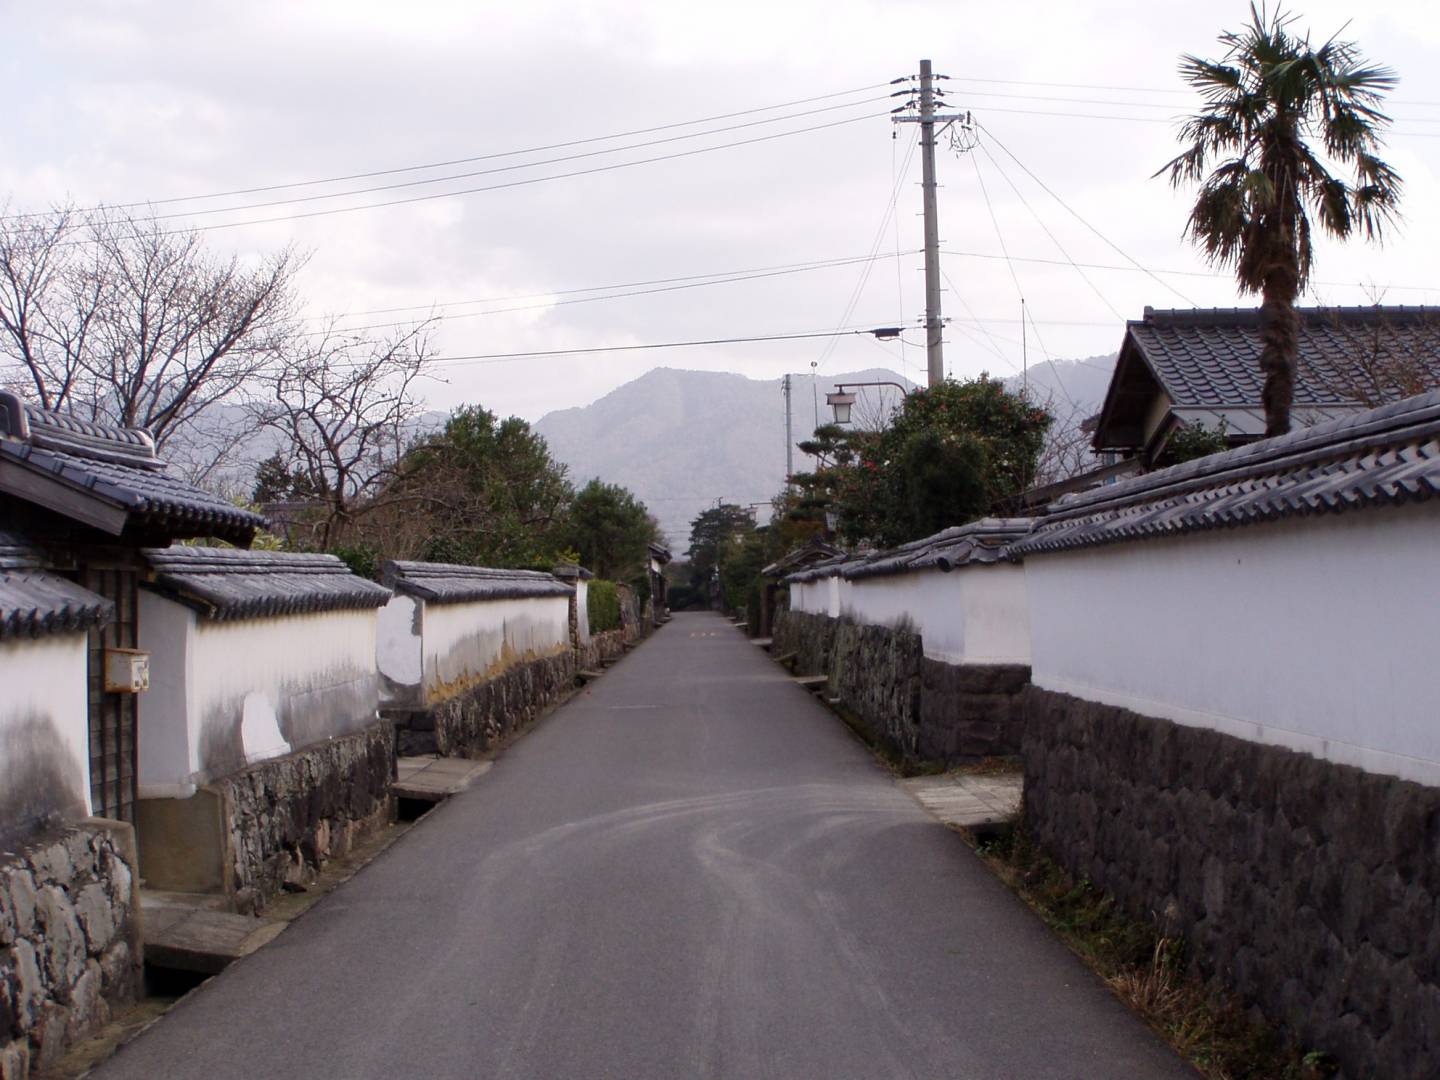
(399, 633)
(1319, 634)
(465, 643)
(833, 586)
(972, 615)
(582, 610)
(811, 596)
(233, 684)
(45, 678)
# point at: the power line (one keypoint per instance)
(512, 183)
(1053, 239)
(690, 283)
(492, 358)
(1076, 215)
(1171, 273)
(859, 289)
(455, 161)
(1122, 89)
(512, 168)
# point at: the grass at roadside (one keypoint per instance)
(1147, 971)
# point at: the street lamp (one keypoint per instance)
(841, 400)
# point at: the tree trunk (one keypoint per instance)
(1280, 341)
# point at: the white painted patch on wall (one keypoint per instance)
(260, 729)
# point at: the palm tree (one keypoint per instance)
(1266, 102)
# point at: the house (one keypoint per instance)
(658, 558)
(775, 595)
(1203, 367)
(91, 496)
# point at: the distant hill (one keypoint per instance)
(682, 439)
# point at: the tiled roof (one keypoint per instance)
(447, 583)
(116, 466)
(224, 583)
(572, 570)
(979, 543)
(34, 603)
(1380, 457)
(814, 551)
(823, 569)
(1211, 359)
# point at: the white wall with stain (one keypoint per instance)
(44, 727)
(227, 694)
(466, 643)
(1315, 634)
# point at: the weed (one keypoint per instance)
(1147, 971)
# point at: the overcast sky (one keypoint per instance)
(126, 101)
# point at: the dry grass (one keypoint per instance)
(1148, 972)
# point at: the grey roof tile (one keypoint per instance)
(225, 583)
(1384, 456)
(449, 583)
(981, 542)
(117, 466)
(34, 603)
(1211, 358)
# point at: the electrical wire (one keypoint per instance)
(1053, 238)
(859, 288)
(688, 284)
(512, 183)
(511, 168)
(1076, 215)
(455, 161)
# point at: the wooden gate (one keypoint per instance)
(114, 718)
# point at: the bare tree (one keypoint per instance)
(1066, 452)
(120, 319)
(344, 409)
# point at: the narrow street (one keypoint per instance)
(692, 869)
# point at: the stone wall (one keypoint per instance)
(609, 645)
(1309, 888)
(970, 711)
(284, 818)
(918, 710)
(487, 716)
(69, 940)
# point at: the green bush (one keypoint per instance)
(603, 601)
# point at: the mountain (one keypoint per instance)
(680, 440)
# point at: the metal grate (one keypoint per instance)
(114, 718)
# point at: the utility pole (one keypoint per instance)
(789, 441)
(934, 322)
(934, 349)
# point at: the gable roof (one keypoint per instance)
(34, 603)
(1207, 362)
(1381, 457)
(225, 583)
(812, 551)
(449, 583)
(107, 477)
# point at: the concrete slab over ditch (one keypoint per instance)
(432, 778)
(186, 932)
(981, 803)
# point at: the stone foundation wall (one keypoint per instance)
(919, 710)
(286, 817)
(1309, 888)
(609, 645)
(487, 716)
(971, 711)
(70, 948)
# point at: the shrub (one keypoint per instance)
(602, 600)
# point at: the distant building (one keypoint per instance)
(1203, 367)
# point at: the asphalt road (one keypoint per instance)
(692, 869)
